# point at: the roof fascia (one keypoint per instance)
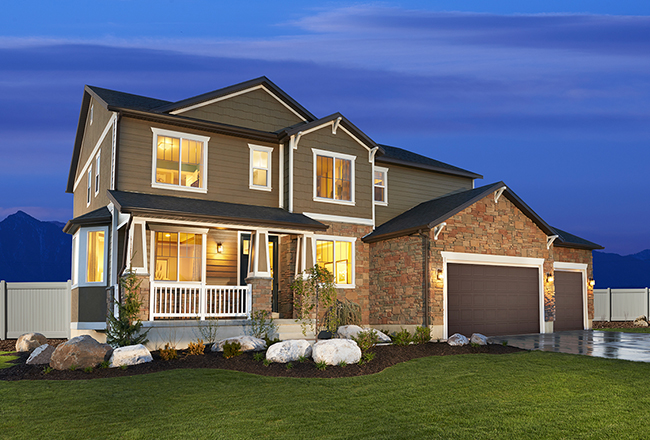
(462, 173)
(76, 151)
(351, 129)
(577, 246)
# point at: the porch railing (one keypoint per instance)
(179, 300)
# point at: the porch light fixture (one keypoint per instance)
(549, 277)
(219, 248)
(592, 282)
(439, 274)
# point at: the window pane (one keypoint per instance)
(325, 254)
(324, 177)
(343, 262)
(259, 177)
(260, 159)
(190, 257)
(191, 163)
(166, 256)
(343, 179)
(167, 160)
(95, 259)
(379, 194)
(379, 178)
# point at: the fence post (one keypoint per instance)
(647, 302)
(609, 297)
(68, 307)
(3, 310)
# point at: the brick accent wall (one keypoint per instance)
(584, 256)
(287, 255)
(143, 294)
(262, 293)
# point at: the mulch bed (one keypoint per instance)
(385, 356)
(613, 324)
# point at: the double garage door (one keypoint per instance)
(504, 300)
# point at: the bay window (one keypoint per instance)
(336, 254)
(90, 256)
(179, 160)
(333, 177)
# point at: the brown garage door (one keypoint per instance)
(568, 301)
(492, 300)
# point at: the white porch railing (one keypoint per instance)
(187, 300)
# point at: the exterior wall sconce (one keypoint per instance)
(592, 282)
(219, 248)
(549, 277)
(439, 274)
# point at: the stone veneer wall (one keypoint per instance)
(287, 256)
(584, 256)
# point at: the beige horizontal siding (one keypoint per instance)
(96, 202)
(221, 269)
(92, 132)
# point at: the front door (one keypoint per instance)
(244, 246)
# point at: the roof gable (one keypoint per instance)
(566, 239)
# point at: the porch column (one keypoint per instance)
(306, 255)
(262, 292)
(259, 272)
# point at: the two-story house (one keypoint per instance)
(218, 201)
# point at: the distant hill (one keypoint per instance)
(616, 271)
(32, 250)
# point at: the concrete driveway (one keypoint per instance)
(612, 345)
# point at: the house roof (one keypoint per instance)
(566, 239)
(400, 156)
(101, 216)
(124, 100)
(211, 211)
(426, 215)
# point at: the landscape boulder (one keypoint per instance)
(41, 355)
(479, 339)
(30, 341)
(457, 340)
(335, 351)
(641, 321)
(288, 351)
(130, 355)
(350, 331)
(248, 343)
(82, 352)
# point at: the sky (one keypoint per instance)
(551, 97)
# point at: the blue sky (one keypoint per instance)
(552, 98)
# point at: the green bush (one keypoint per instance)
(314, 294)
(402, 337)
(168, 353)
(196, 348)
(366, 340)
(262, 325)
(125, 328)
(346, 312)
(259, 357)
(422, 335)
(231, 349)
(321, 365)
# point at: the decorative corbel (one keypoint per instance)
(335, 125)
(498, 193)
(296, 140)
(438, 229)
(371, 154)
(549, 240)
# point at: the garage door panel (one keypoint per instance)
(493, 300)
(568, 301)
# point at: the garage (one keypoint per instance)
(492, 300)
(568, 301)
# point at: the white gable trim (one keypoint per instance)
(232, 95)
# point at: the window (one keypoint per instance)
(179, 256)
(179, 160)
(380, 186)
(95, 257)
(260, 167)
(90, 256)
(333, 177)
(337, 256)
(97, 175)
(92, 110)
(89, 184)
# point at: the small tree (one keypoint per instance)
(126, 329)
(313, 295)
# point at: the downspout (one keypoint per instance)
(426, 244)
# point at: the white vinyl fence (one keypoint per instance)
(621, 304)
(34, 307)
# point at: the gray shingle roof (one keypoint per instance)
(101, 216)
(401, 156)
(566, 239)
(126, 100)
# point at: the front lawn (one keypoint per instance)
(4, 360)
(522, 395)
(626, 330)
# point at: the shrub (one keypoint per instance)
(123, 367)
(73, 367)
(259, 357)
(289, 365)
(368, 356)
(474, 344)
(208, 329)
(104, 365)
(196, 348)
(422, 335)
(346, 312)
(504, 343)
(266, 362)
(231, 349)
(402, 337)
(314, 294)
(125, 328)
(47, 369)
(168, 353)
(88, 370)
(342, 364)
(301, 359)
(262, 325)
(270, 341)
(321, 365)
(366, 340)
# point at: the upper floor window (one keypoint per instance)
(381, 185)
(333, 177)
(97, 174)
(336, 255)
(89, 184)
(260, 167)
(179, 160)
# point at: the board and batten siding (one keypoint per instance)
(408, 187)
(303, 187)
(228, 166)
(256, 109)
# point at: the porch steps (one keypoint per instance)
(290, 329)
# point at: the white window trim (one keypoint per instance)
(352, 159)
(385, 171)
(97, 161)
(268, 150)
(141, 270)
(92, 111)
(75, 259)
(180, 135)
(89, 185)
(82, 256)
(152, 260)
(580, 268)
(335, 238)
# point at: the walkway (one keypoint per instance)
(612, 345)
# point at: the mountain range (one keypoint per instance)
(34, 250)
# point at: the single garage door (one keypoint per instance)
(568, 301)
(492, 300)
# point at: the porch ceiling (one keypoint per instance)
(182, 208)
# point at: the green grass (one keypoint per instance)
(626, 330)
(4, 360)
(518, 396)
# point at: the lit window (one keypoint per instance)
(336, 256)
(260, 167)
(380, 186)
(333, 177)
(179, 160)
(178, 256)
(95, 257)
(89, 184)
(97, 175)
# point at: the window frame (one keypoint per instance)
(80, 257)
(97, 163)
(178, 230)
(334, 239)
(180, 136)
(341, 156)
(385, 187)
(89, 184)
(269, 151)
